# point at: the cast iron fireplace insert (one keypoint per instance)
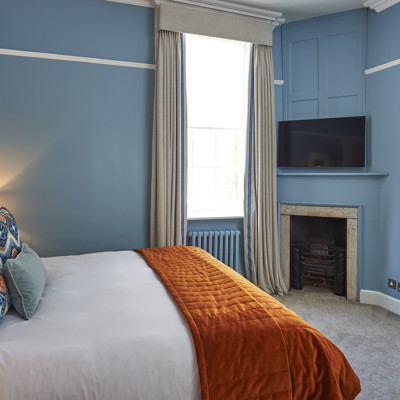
(318, 253)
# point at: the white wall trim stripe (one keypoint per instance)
(101, 61)
(382, 67)
(140, 3)
(380, 299)
(63, 57)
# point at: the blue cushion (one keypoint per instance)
(25, 278)
(10, 240)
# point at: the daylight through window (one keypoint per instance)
(217, 96)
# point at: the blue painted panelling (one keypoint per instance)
(76, 138)
(342, 61)
(303, 66)
(382, 103)
(87, 28)
(341, 64)
(323, 60)
(303, 109)
(343, 73)
(342, 106)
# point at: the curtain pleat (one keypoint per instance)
(167, 210)
(261, 240)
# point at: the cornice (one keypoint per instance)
(273, 17)
(380, 5)
(140, 3)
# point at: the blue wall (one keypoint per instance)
(76, 138)
(383, 105)
(278, 71)
(323, 69)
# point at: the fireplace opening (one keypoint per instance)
(318, 253)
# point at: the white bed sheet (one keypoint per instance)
(105, 328)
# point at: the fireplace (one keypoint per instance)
(324, 248)
(318, 253)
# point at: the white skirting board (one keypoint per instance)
(380, 299)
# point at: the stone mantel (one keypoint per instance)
(319, 211)
(350, 213)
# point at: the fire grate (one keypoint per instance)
(312, 261)
(318, 259)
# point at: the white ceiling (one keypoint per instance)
(293, 10)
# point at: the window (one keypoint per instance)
(217, 96)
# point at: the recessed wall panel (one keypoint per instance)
(342, 106)
(324, 59)
(304, 109)
(304, 67)
(343, 65)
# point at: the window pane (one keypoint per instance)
(217, 84)
(227, 148)
(203, 152)
(227, 187)
(215, 96)
(202, 189)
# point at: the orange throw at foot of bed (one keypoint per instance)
(248, 345)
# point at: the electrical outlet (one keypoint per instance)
(392, 283)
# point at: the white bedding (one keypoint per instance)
(105, 328)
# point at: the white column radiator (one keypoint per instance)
(223, 245)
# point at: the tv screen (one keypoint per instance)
(325, 142)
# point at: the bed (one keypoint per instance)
(108, 326)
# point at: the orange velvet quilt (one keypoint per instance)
(248, 345)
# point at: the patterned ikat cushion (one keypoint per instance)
(5, 299)
(10, 240)
(10, 246)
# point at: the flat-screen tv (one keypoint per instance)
(324, 142)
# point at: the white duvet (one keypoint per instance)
(105, 328)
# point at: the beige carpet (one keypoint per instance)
(369, 336)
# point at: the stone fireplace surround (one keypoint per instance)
(350, 213)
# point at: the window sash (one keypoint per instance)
(215, 158)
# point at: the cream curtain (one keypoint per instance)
(260, 222)
(168, 184)
(168, 212)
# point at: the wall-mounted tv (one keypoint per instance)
(324, 142)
